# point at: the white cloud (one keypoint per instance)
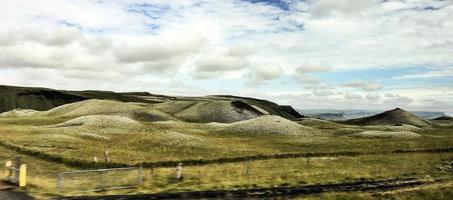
(260, 75)
(304, 69)
(303, 74)
(447, 72)
(323, 92)
(268, 73)
(157, 48)
(363, 85)
(91, 43)
(373, 96)
(216, 63)
(353, 96)
(326, 8)
(399, 101)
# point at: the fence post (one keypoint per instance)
(17, 163)
(247, 167)
(23, 175)
(140, 175)
(8, 171)
(103, 180)
(59, 176)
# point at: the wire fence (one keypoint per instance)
(99, 180)
(263, 173)
(298, 171)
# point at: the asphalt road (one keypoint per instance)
(8, 192)
(13, 195)
(270, 193)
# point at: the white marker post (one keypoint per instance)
(8, 171)
(107, 159)
(22, 176)
(179, 171)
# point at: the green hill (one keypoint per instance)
(192, 109)
(270, 107)
(444, 118)
(12, 97)
(392, 117)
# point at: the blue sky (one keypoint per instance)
(332, 54)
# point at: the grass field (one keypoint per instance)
(53, 143)
(252, 174)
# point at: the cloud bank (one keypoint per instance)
(325, 53)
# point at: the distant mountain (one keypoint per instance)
(332, 114)
(392, 117)
(329, 116)
(428, 115)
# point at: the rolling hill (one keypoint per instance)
(392, 117)
(26, 101)
(12, 97)
(444, 118)
(270, 107)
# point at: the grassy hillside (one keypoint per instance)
(192, 109)
(392, 117)
(272, 108)
(224, 142)
(34, 98)
(12, 97)
(444, 118)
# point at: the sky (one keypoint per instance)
(311, 54)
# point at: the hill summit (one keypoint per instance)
(444, 118)
(396, 116)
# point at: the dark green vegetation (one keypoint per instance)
(225, 142)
